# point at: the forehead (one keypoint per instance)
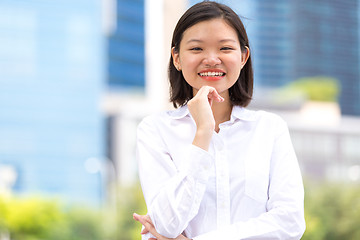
(214, 29)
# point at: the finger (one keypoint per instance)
(211, 93)
(145, 220)
(215, 95)
(210, 101)
(152, 230)
(144, 231)
(148, 219)
(136, 216)
(142, 219)
(150, 227)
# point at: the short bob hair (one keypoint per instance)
(180, 91)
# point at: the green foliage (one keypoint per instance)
(39, 218)
(84, 224)
(319, 88)
(3, 210)
(332, 211)
(30, 219)
(131, 200)
(48, 219)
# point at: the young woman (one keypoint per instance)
(211, 169)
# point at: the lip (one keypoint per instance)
(214, 77)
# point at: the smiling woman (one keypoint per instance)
(200, 17)
(211, 169)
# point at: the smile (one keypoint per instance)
(211, 74)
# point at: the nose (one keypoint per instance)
(211, 59)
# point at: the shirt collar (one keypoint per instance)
(179, 113)
(238, 112)
(242, 114)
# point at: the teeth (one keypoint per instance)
(211, 74)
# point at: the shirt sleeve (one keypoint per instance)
(284, 218)
(172, 194)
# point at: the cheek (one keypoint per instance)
(235, 65)
(189, 68)
(190, 77)
(189, 63)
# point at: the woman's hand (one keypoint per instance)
(145, 220)
(200, 109)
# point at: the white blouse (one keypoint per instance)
(247, 186)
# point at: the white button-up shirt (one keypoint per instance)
(247, 186)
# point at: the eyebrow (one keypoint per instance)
(223, 40)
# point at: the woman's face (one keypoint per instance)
(210, 54)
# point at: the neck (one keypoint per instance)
(221, 112)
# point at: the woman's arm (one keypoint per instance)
(173, 194)
(200, 109)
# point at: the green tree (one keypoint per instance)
(317, 88)
(332, 211)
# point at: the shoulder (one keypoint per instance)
(163, 118)
(268, 121)
(269, 116)
(149, 127)
(153, 119)
(261, 116)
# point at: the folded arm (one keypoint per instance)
(172, 193)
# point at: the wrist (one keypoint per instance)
(202, 138)
(204, 133)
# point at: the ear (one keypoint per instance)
(244, 56)
(176, 59)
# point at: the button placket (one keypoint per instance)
(222, 184)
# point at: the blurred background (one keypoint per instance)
(76, 77)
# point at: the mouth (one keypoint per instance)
(212, 75)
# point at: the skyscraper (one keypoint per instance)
(51, 77)
(126, 66)
(326, 42)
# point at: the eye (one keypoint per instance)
(196, 49)
(226, 48)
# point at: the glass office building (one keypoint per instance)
(52, 69)
(326, 36)
(126, 67)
